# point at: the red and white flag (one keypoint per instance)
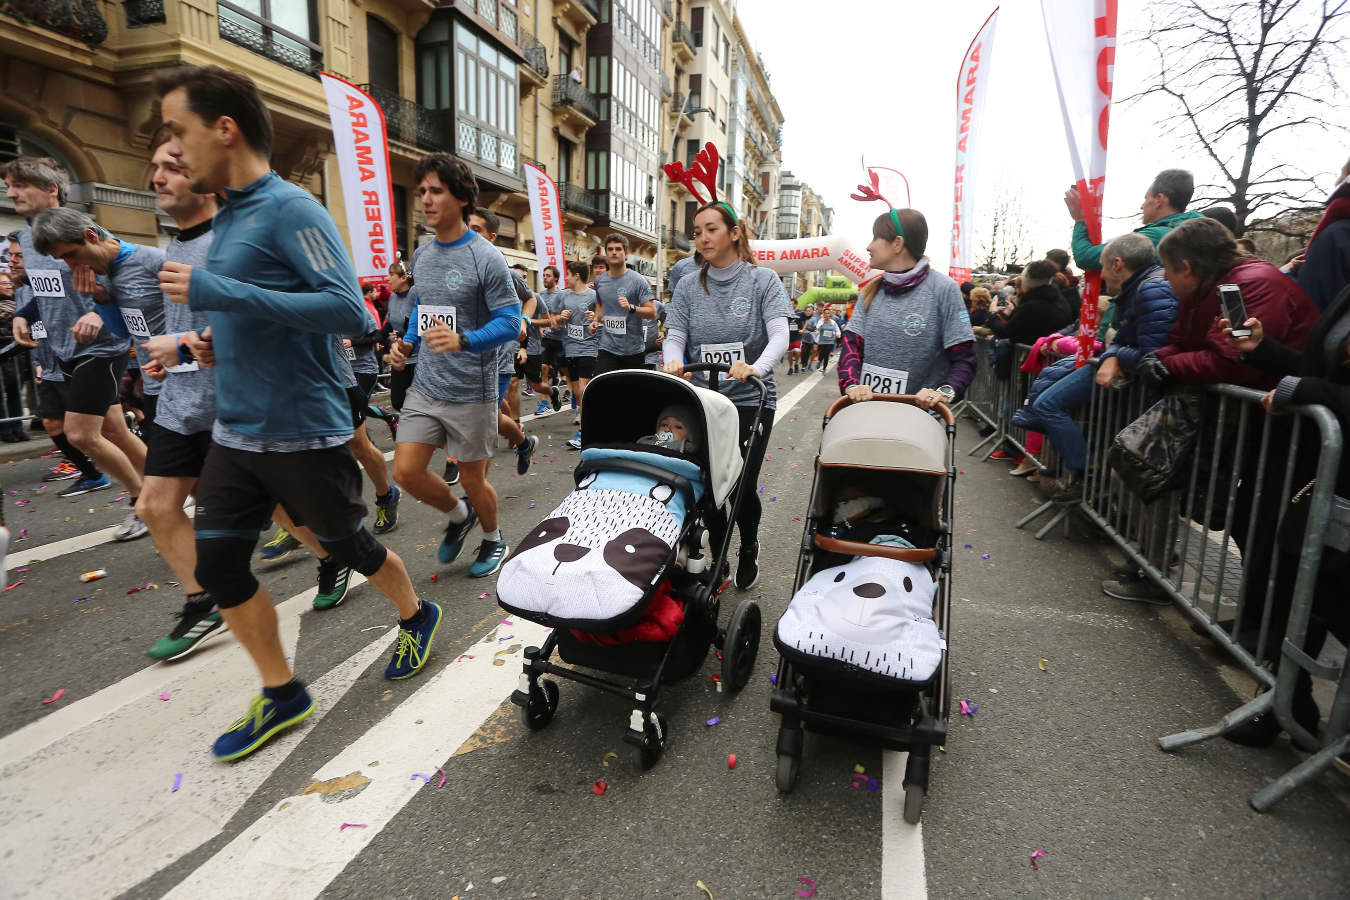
(363, 161)
(546, 215)
(972, 83)
(1082, 38)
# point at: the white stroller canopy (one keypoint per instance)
(884, 435)
(721, 423)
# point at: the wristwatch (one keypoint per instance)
(947, 391)
(464, 341)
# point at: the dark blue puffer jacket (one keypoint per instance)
(1026, 417)
(1146, 308)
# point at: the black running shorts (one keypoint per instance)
(532, 370)
(238, 489)
(93, 383)
(169, 454)
(579, 367)
(51, 399)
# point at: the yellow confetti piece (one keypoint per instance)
(1043, 665)
(604, 760)
(860, 770)
(497, 661)
(704, 888)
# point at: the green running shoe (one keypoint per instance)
(196, 623)
(333, 580)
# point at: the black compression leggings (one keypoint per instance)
(747, 519)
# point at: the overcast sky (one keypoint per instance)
(861, 78)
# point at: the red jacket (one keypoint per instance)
(1196, 350)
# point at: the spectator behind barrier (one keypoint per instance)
(1197, 257)
(1163, 209)
(1040, 310)
(980, 300)
(1326, 267)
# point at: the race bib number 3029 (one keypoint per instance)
(46, 282)
(722, 354)
(429, 316)
(884, 381)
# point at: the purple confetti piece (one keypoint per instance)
(507, 638)
(714, 720)
(773, 499)
(773, 679)
(177, 783)
(345, 825)
(531, 506)
(985, 556)
(872, 785)
(968, 547)
(422, 775)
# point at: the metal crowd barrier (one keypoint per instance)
(1210, 543)
(16, 399)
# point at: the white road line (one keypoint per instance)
(296, 849)
(902, 864)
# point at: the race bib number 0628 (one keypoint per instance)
(429, 316)
(884, 381)
(722, 354)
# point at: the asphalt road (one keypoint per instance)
(1063, 760)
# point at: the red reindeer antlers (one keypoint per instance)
(869, 192)
(704, 169)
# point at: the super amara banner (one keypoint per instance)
(972, 83)
(363, 161)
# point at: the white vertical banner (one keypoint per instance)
(972, 84)
(546, 216)
(363, 161)
(1082, 39)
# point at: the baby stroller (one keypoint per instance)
(862, 646)
(628, 570)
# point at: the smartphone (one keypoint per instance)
(1234, 310)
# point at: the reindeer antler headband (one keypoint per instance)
(869, 192)
(703, 170)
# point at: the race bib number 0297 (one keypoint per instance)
(884, 381)
(46, 282)
(722, 354)
(429, 316)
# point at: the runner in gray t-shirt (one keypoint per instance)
(581, 339)
(625, 303)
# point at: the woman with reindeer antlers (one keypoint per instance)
(735, 313)
(910, 331)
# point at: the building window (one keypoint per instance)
(401, 220)
(485, 93)
(726, 55)
(282, 30)
(696, 25)
(597, 170)
(382, 54)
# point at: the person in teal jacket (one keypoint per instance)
(1163, 209)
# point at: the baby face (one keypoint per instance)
(673, 427)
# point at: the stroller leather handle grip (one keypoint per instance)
(911, 399)
(717, 368)
(857, 548)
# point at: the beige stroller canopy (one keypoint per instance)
(880, 435)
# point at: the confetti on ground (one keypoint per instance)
(604, 760)
(464, 656)
(969, 547)
(599, 788)
(54, 697)
(497, 661)
(531, 506)
(442, 784)
(796, 518)
(704, 888)
(505, 639)
(345, 825)
(375, 627)
(148, 586)
(10, 587)
(985, 556)
(1043, 665)
(422, 775)
(499, 879)
(177, 783)
(164, 695)
(1035, 855)
(482, 595)
(731, 761)
(773, 679)
(435, 577)
(82, 599)
(714, 720)
(506, 622)
(968, 708)
(809, 890)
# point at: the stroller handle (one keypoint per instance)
(718, 369)
(911, 399)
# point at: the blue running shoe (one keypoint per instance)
(575, 442)
(279, 547)
(453, 542)
(412, 650)
(386, 511)
(85, 486)
(264, 719)
(543, 408)
(524, 453)
(491, 555)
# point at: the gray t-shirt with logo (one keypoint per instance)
(651, 329)
(577, 337)
(60, 306)
(621, 332)
(400, 307)
(910, 333)
(682, 269)
(729, 321)
(552, 300)
(133, 286)
(187, 404)
(462, 283)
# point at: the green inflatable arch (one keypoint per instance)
(838, 289)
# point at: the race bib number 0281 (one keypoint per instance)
(722, 354)
(884, 381)
(429, 316)
(46, 282)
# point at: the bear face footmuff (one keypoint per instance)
(871, 614)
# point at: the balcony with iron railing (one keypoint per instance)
(674, 238)
(239, 26)
(571, 95)
(535, 53)
(667, 10)
(683, 40)
(410, 122)
(78, 21)
(140, 13)
(754, 190)
(665, 84)
(579, 200)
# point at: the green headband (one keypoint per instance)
(730, 211)
(895, 220)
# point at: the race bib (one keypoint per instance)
(46, 282)
(884, 381)
(616, 324)
(576, 332)
(38, 331)
(135, 321)
(183, 368)
(722, 354)
(428, 316)
(351, 353)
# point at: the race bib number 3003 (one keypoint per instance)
(46, 282)
(722, 354)
(884, 381)
(429, 316)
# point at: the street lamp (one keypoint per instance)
(661, 190)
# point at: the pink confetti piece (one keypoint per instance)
(506, 622)
(11, 587)
(54, 697)
(809, 890)
(483, 595)
(714, 720)
(148, 586)
(422, 775)
(164, 696)
(442, 784)
(177, 783)
(345, 825)
(1035, 855)
(968, 708)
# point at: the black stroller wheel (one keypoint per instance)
(740, 646)
(538, 712)
(654, 742)
(914, 797)
(788, 768)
